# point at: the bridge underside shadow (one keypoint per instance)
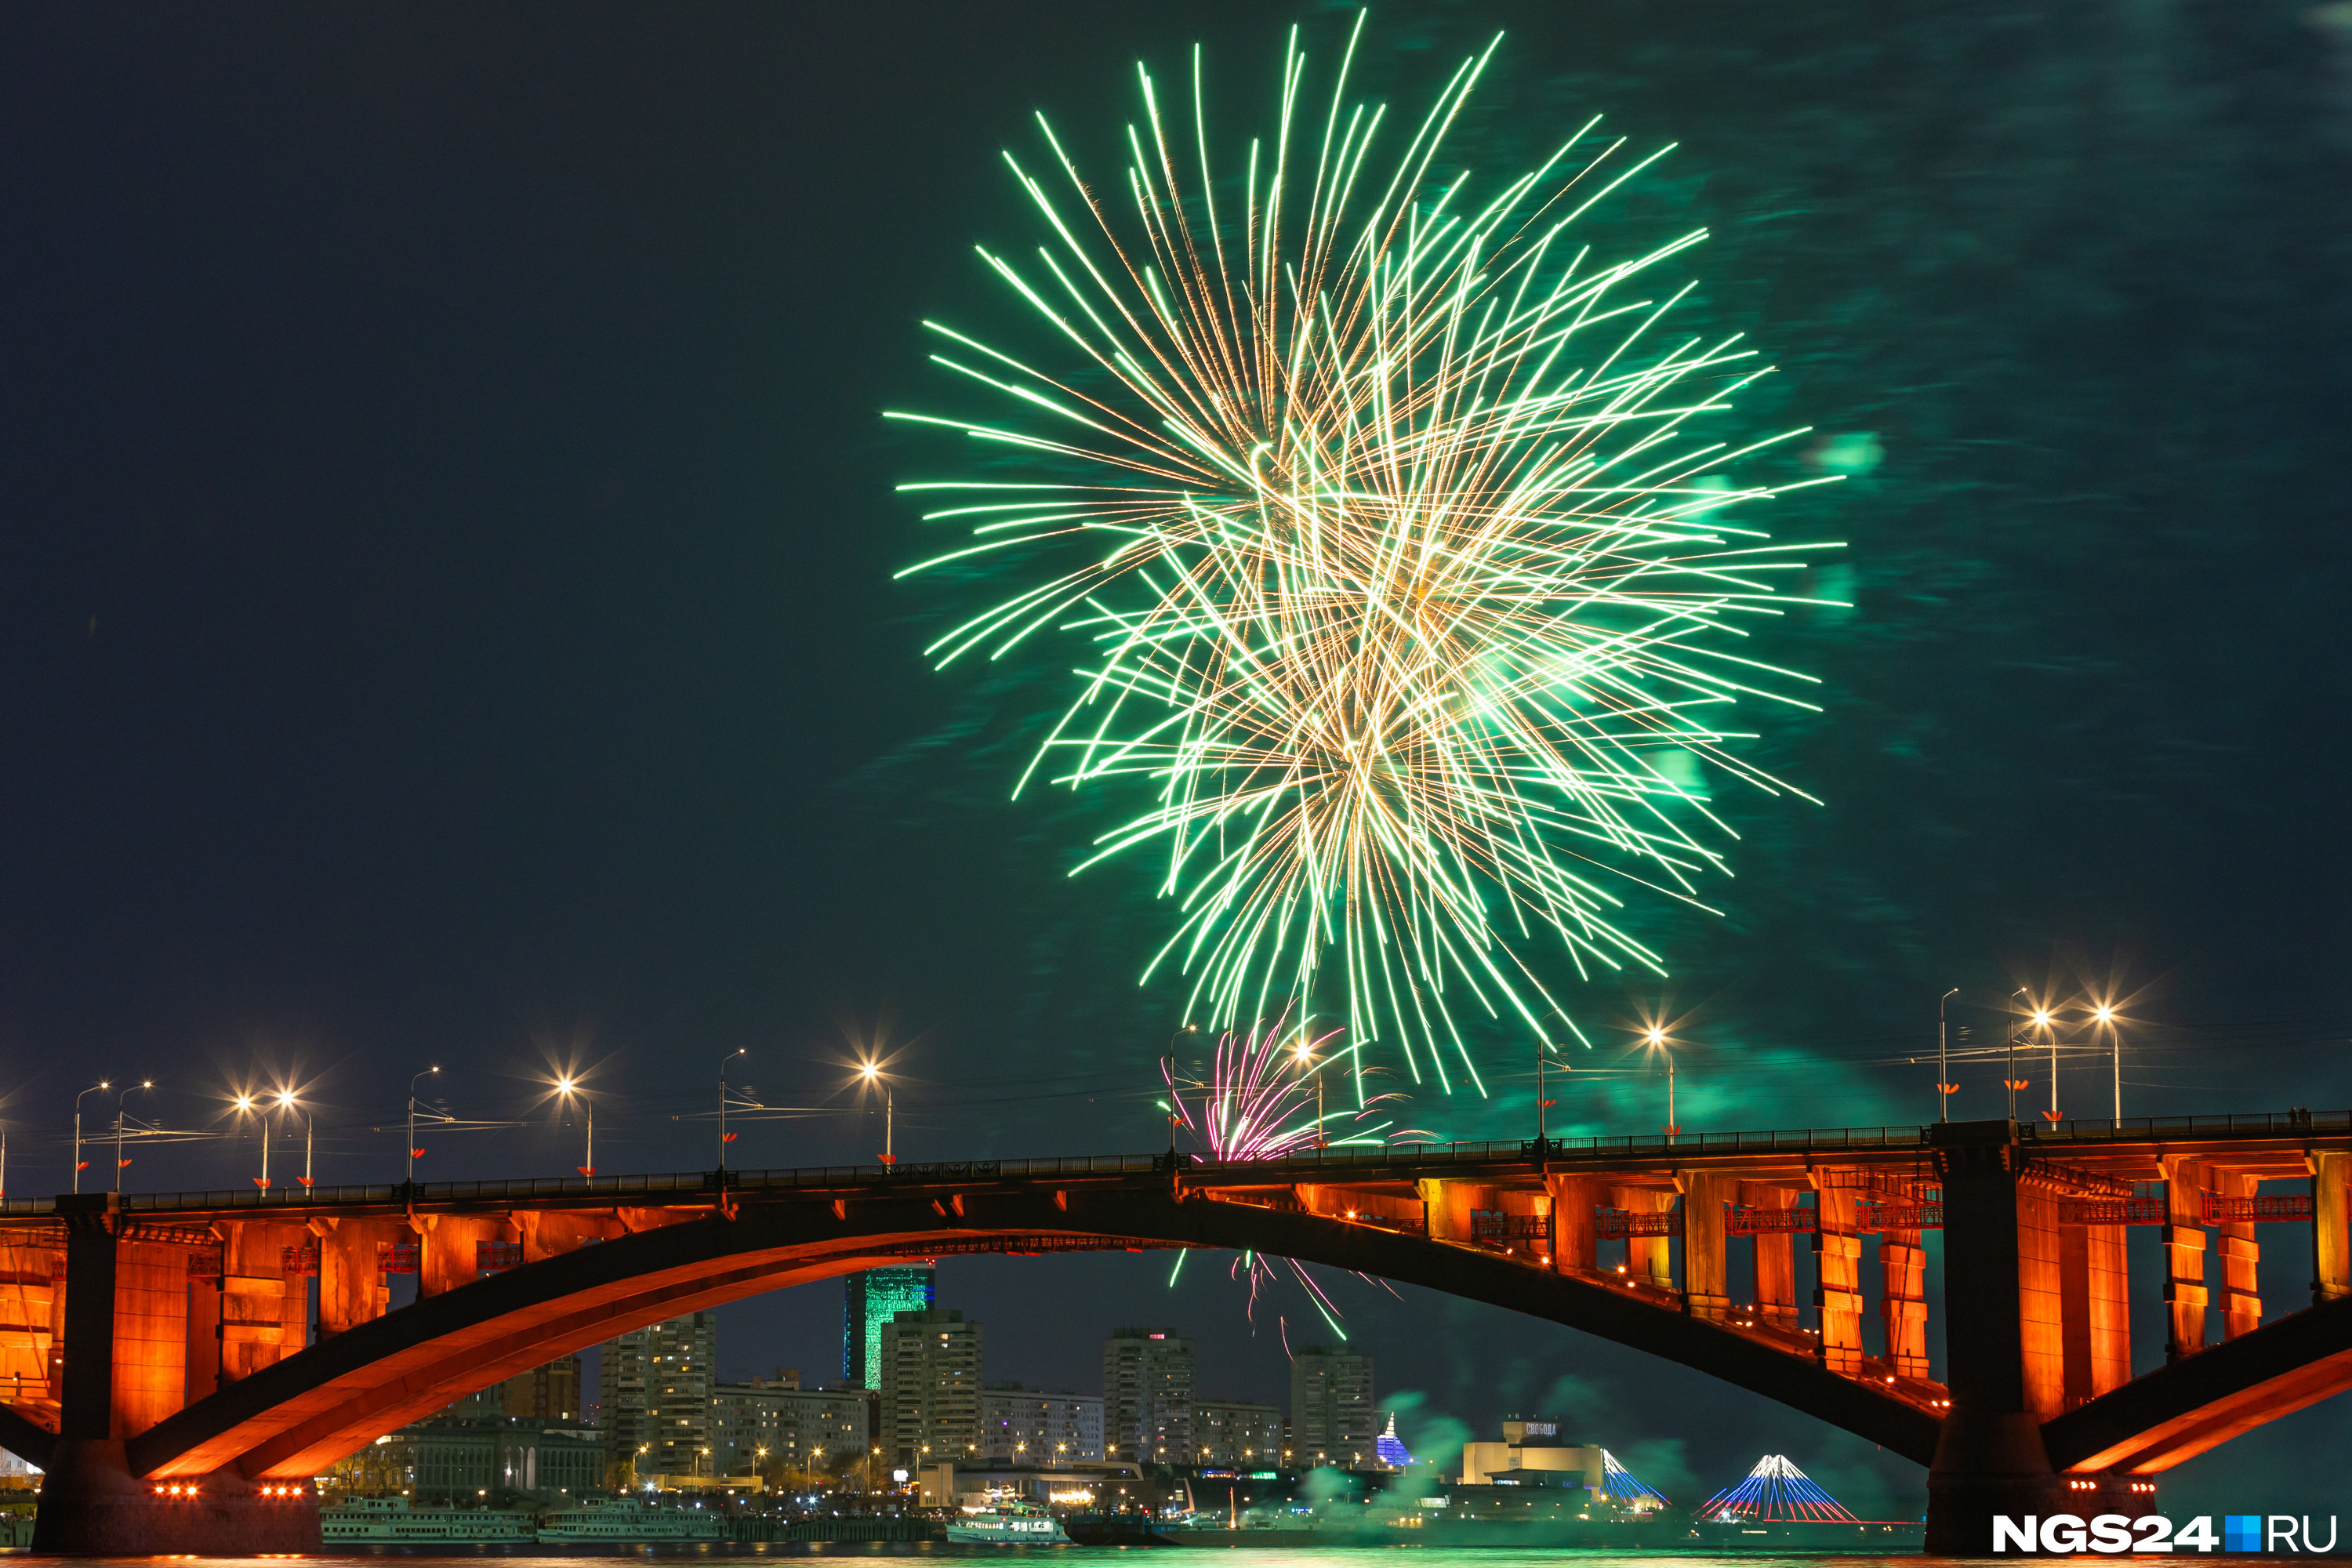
(297, 1417)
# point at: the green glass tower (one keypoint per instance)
(874, 1297)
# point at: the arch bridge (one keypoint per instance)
(227, 1346)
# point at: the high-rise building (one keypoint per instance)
(1148, 1395)
(1331, 1416)
(655, 1388)
(872, 1297)
(550, 1392)
(930, 1391)
(1236, 1433)
(770, 1425)
(1026, 1426)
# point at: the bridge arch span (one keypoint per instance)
(297, 1417)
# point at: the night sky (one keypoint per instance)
(446, 607)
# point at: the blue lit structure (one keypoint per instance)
(1390, 1449)
(1624, 1488)
(1776, 1492)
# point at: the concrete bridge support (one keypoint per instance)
(1575, 1247)
(2242, 1255)
(2185, 1297)
(1706, 1284)
(1837, 1265)
(1903, 1301)
(130, 1346)
(1776, 1260)
(2331, 1239)
(1989, 1457)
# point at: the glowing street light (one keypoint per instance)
(871, 1071)
(2042, 1019)
(1656, 1036)
(2104, 1016)
(80, 1164)
(1302, 1054)
(570, 1089)
(287, 1102)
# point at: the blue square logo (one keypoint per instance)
(2242, 1533)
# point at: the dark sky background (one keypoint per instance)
(445, 615)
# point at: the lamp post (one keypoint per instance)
(1657, 1039)
(85, 1094)
(2042, 1022)
(2009, 1080)
(244, 1109)
(1943, 1084)
(1304, 1056)
(871, 1072)
(571, 1090)
(118, 1099)
(1169, 1071)
(412, 1150)
(724, 1138)
(2105, 1015)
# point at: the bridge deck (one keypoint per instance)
(2131, 1150)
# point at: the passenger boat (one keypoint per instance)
(626, 1518)
(1011, 1524)
(391, 1519)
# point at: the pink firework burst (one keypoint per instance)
(1262, 1100)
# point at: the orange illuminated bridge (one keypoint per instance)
(180, 1364)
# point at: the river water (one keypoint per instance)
(1063, 1557)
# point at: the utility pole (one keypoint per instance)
(412, 1150)
(77, 1161)
(738, 1051)
(126, 1094)
(1943, 1084)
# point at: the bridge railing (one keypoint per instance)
(1305, 1163)
(2139, 1128)
(1529, 1150)
(610, 1188)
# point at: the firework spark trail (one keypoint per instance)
(1257, 1102)
(1411, 600)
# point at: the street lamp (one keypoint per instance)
(2009, 1080)
(78, 1160)
(126, 1094)
(244, 1104)
(871, 1071)
(2104, 1013)
(285, 1101)
(571, 1090)
(726, 1137)
(1543, 1049)
(1657, 1039)
(2041, 1016)
(1945, 1087)
(412, 1150)
(1304, 1053)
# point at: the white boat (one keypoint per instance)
(626, 1518)
(391, 1519)
(1009, 1524)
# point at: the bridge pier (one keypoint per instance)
(1989, 1458)
(126, 1353)
(92, 1506)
